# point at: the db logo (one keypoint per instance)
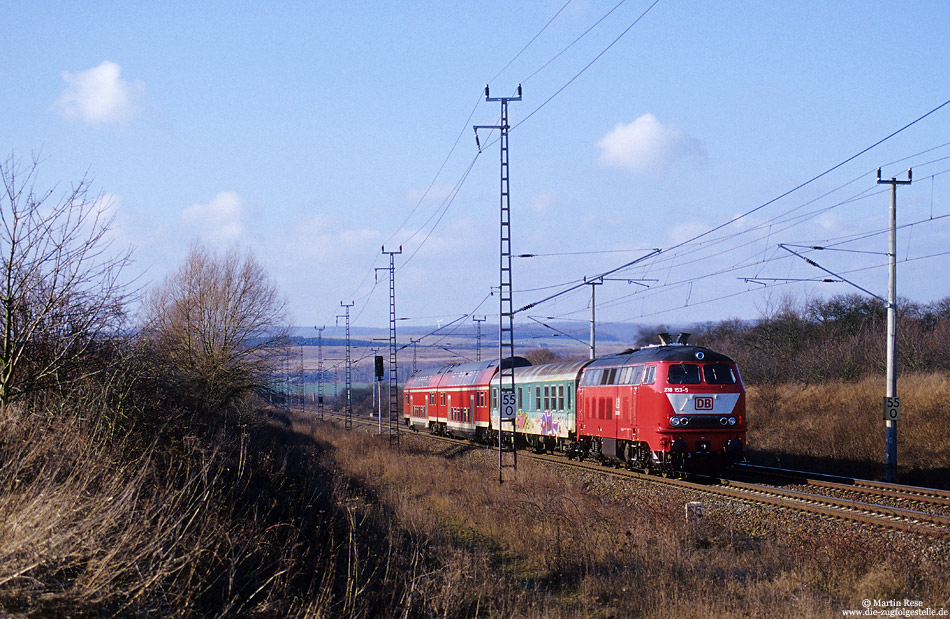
(703, 403)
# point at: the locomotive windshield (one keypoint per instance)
(719, 374)
(691, 374)
(684, 374)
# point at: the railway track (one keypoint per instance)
(874, 503)
(893, 493)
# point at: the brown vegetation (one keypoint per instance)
(548, 543)
(838, 427)
(218, 324)
(59, 283)
(839, 339)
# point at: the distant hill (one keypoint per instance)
(550, 335)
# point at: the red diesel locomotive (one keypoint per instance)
(672, 406)
(668, 407)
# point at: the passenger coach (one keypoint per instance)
(453, 400)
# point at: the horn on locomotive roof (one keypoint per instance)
(664, 338)
(682, 337)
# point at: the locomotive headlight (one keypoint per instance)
(723, 421)
(674, 421)
(732, 421)
(684, 421)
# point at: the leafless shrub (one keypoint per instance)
(218, 322)
(60, 287)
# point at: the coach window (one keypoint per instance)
(520, 398)
(442, 399)
(560, 397)
(494, 398)
(649, 375)
(569, 391)
(547, 397)
(537, 398)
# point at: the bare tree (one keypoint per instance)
(221, 321)
(60, 290)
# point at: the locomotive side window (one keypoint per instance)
(719, 374)
(649, 375)
(637, 375)
(684, 374)
(624, 378)
(609, 376)
(592, 377)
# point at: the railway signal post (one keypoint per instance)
(891, 401)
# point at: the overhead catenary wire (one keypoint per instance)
(670, 253)
(697, 243)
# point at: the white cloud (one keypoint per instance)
(106, 206)
(98, 96)
(542, 203)
(646, 145)
(219, 220)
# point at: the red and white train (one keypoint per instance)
(667, 407)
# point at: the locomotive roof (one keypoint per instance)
(672, 352)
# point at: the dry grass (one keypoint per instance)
(550, 544)
(839, 426)
(246, 527)
(298, 519)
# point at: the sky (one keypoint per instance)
(319, 134)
